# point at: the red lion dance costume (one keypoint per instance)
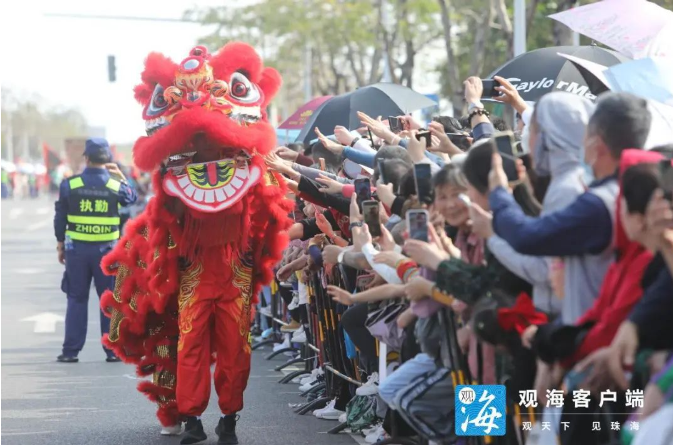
(189, 268)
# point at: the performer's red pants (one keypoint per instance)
(212, 309)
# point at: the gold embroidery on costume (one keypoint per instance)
(133, 301)
(116, 318)
(145, 233)
(122, 273)
(171, 243)
(243, 282)
(188, 283)
(270, 179)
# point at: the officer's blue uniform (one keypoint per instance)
(87, 221)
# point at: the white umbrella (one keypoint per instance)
(636, 28)
(26, 168)
(8, 166)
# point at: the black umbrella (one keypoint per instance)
(380, 99)
(541, 71)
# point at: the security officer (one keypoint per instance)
(87, 227)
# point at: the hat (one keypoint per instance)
(96, 146)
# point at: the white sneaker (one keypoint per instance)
(294, 304)
(375, 435)
(371, 429)
(279, 346)
(174, 430)
(299, 336)
(371, 387)
(308, 385)
(330, 414)
(297, 379)
(314, 375)
(330, 405)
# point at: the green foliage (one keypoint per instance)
(347, 39)
(30, 120)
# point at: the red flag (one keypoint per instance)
(50, 157)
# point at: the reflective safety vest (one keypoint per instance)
(93, 211)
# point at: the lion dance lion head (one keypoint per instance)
(206, 125)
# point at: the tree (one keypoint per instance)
(347, 40)
(32, 123)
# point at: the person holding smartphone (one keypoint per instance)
(582, 230)
(87, 226)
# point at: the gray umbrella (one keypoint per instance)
(541, 71)
(379, 99)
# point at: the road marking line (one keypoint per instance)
(28, 271)
(15, 213)
(43, 210)
(45, 322)
(26, 433)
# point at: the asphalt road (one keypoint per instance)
(94, 402)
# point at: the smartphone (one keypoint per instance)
(370, 210)
(395, 124)
(509, 151)
(417, 224)
(362, 281)
(424, 135)
(489, 88)
(573, 379)
(114, 175)
(381, 165)
(322, 163)
(423, 179)
(457, 138)
(666, 170)
(363, 191)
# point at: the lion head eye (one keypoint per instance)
(242, 89)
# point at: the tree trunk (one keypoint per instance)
(506, 23)
(455, 87)
(562, 34)
(531, 9)
(481, 34)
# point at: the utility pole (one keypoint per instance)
(308, 69)
(576, 35)
(387, 74)
(519, 27)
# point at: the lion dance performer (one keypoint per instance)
(189, 267)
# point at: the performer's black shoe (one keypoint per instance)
(226, 430)
(113, 359)
(66, 359)
(193, 432)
